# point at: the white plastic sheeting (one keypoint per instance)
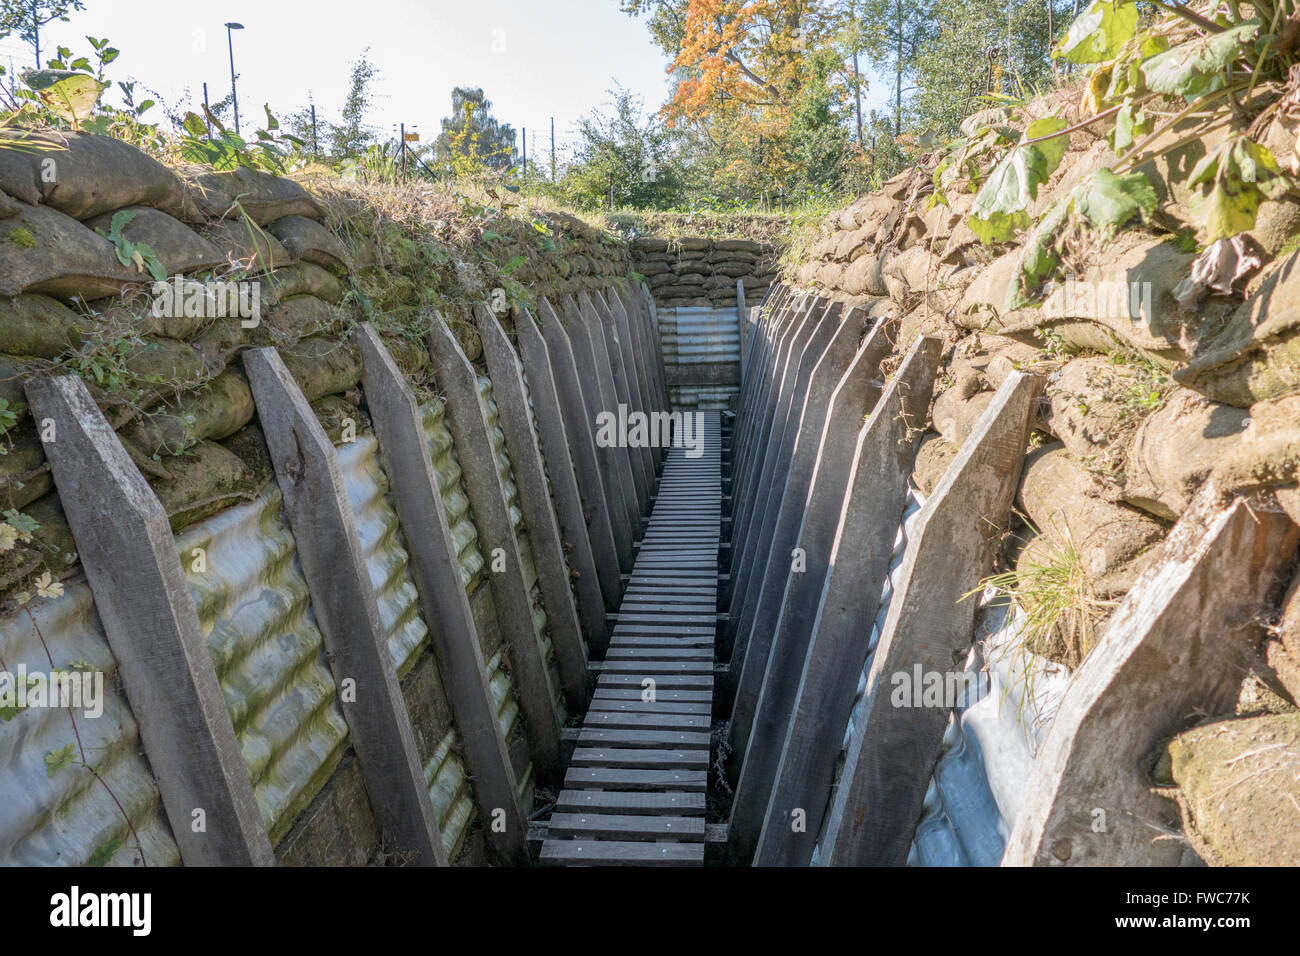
(992, 737)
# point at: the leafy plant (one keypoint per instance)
(1000, 209)
(223, 150)
(139, 254)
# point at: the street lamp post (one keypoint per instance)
(230, 44)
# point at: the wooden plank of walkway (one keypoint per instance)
(634, 792)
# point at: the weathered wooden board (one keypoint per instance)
(1176, 648)
(468, 423)
(823, 631)
(893, 750)
(535, 501)
(435, 568)
(126, 547)
(329, 548)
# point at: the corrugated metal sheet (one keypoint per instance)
(699, 336)
(385, 553)
(449, 789)
(704, 335)
(269, 655)
(68, 817)
(464, 533)
(388, 563)
(989, 748)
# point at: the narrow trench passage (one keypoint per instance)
(635, 792)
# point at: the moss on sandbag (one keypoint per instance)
(1257, 355)
(207, 478)
(263, 197)
(341, 419)
(244, 243)
(1236, 780)
(37, 325)
(161, 366)
(43, 250)
(304, 278)
(24, 476)
(309, 241)
(300, 316)
(249, 446)
(83, 175)
(214, 411)
(178, 247)
(322, 365)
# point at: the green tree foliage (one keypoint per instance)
(977, 48)
(472, 141)
(623, 158)
(351, 136)
(24, 19)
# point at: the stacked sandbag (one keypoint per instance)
(89, 226)
(702, 272)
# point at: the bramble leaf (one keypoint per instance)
(999, 211)
(1099, 33)
(1197, 67)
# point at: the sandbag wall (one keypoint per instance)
(175, 387)
(884, 708)
(699, 272)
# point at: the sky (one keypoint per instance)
(534, 60)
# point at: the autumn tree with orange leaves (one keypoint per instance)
(749, 76)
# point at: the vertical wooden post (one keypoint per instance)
(325, 531)
(127, 549)
(598, 387)
(604, 324)
(575, 478)
(535, 502)
(468, 423)
(404, 449)
(825, 621)
(1176, 647)
(928, 626)
(581, 398)
(609, 365)
(819, 472)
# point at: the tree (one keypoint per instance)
(982, 47)
(893, 31)
(24, 18)
(350, 137)
(472, 141)
(623, 158)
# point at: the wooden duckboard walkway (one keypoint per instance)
(634, 793)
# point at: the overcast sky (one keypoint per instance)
(535, 59)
